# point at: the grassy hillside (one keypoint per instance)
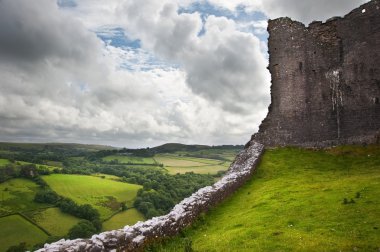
(119, 220)
(55, 221)
(16, 195)
(103, 194)
(26, 232)
(299, 200)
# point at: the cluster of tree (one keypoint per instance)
(39, 153)
(97, 156)
(67, 205)
(15, 170)
(210, 156)
(162, 191)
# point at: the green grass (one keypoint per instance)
(119, 220)
(295, 203)
(103, 194)
(16, 195)
(14, 229)
(130, 159)
(4, 161)
(54, 221)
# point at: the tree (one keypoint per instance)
(123, 206)
(46, 196)
(83, 229)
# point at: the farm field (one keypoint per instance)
(206, 169)
(26, 232)
(4, 161)
(55, 221)
(101, 190)
(298, 200)
(179, 164)
(16, 195)
(119, 220)
(103, 194)
(130, 159)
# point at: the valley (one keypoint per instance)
(48, 189)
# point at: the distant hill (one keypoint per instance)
(173, 147)
(53, 146)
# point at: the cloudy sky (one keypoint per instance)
(140, 73)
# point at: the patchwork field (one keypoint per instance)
(180, 164)
(299, 200)
(103, 194)
(128, 217)
(54, 221)
(130, 159)
(16, 195)
(24, 230)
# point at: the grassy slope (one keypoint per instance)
(26, 232)
(16, 195)
(295, 203)
(94, 191)
(128, 217)
(54, 221)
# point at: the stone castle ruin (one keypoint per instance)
(325, 91)
(325, 81)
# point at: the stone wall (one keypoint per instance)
(134, 238)
(325, 81)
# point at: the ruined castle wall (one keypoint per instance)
(325, 81)
(134, 238)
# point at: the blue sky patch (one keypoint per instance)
(117, 37)
(66, 3)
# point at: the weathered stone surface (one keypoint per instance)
(325, 81)
(134, 238)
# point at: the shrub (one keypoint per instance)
(84, 229)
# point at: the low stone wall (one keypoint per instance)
(134, 238)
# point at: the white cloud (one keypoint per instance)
(60, 82)
(224, 65)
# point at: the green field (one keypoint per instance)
(180, 164)
(130, 159)
(296, 202)
(211, 169)
(54, 221)
(15, 229)
(4, 161)
(16, 195)
(128, 217)
(103, 194)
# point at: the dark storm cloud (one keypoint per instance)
(31, 30)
